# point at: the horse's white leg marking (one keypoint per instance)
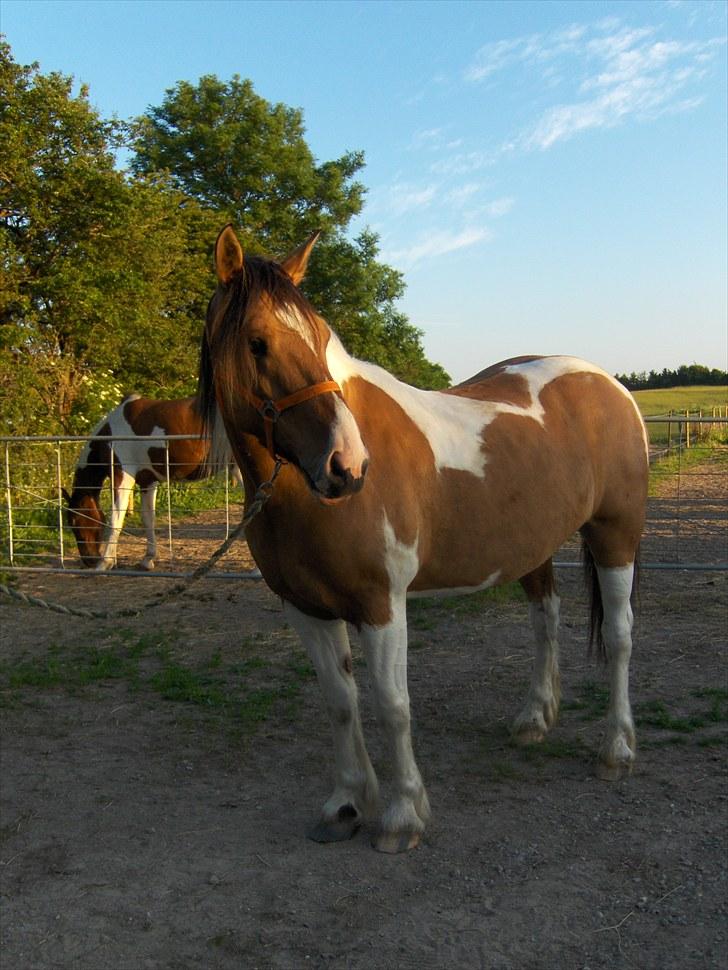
(386, 650)
(356, 791)
(149, 501)
(542, 702)
(617, 751)
(120, 503)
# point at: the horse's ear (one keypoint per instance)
(228, 255)
(66, 496)
(295, 264)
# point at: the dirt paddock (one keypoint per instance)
(159, 772)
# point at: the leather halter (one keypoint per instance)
(270, 410)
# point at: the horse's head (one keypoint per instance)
(263, 369)
(86, 520)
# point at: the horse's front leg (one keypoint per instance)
(149, 501)
(403, 821)
(355, 795)
(123, 487)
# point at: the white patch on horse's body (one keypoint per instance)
(401, 561)
(454, 425)
(540, 372)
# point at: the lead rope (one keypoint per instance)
(262, 494)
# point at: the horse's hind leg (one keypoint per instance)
(542, 702)
(617, 751)
(355, 794)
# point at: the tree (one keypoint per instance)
(95, 269)
(247, 159)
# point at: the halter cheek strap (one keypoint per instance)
(270, 410)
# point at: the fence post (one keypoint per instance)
(59, 484)
(669, 432)
(8, 494)
(687, 428)
(227, 501)
(169, 497)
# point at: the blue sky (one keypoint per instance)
(550, 177)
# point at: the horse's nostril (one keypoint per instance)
(336, 466)
(364, 466)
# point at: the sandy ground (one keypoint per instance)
(159, 773)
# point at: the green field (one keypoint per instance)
(705, 400)
(663, 400)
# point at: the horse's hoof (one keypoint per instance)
(615, 771)
(528, 735)
(147, 564)
(395, 842)
(339, 829)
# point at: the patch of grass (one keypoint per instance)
(592, 700)
(237, 696)
(553, 747)
(464, 604)
(660, 400)
(718, 697)
(655, 714)
(83, 666)
(177, 683)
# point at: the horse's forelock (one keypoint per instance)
(225, 329)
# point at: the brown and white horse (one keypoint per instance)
(135, 461)
(391, 491)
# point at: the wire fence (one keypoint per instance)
(687, 518)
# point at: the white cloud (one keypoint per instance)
(407, 198)
(500, 207)
(622, 72)
(437, 243)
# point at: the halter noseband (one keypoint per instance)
(270, 410)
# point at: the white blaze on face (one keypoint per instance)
(292, 318)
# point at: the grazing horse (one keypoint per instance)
(134, 461)
(390, 491)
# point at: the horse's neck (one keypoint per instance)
(92, 471)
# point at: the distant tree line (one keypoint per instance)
(687, 375)
(105, 273)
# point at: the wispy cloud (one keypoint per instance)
(437, 243)
(403, 198)
(622, 73)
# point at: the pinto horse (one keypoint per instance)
(390, 491)
(134, 461)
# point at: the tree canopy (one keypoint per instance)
(105, 274)
(687, 375)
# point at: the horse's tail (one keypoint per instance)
(596, 606)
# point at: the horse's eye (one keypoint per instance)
(258, 347)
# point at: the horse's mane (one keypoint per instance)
(223, 333)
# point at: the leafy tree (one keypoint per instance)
(686, 375)
(247, 159)
(95, 269)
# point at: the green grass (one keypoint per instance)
(679, 463)
(662, 400)
(424, 612)
(238, 695)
